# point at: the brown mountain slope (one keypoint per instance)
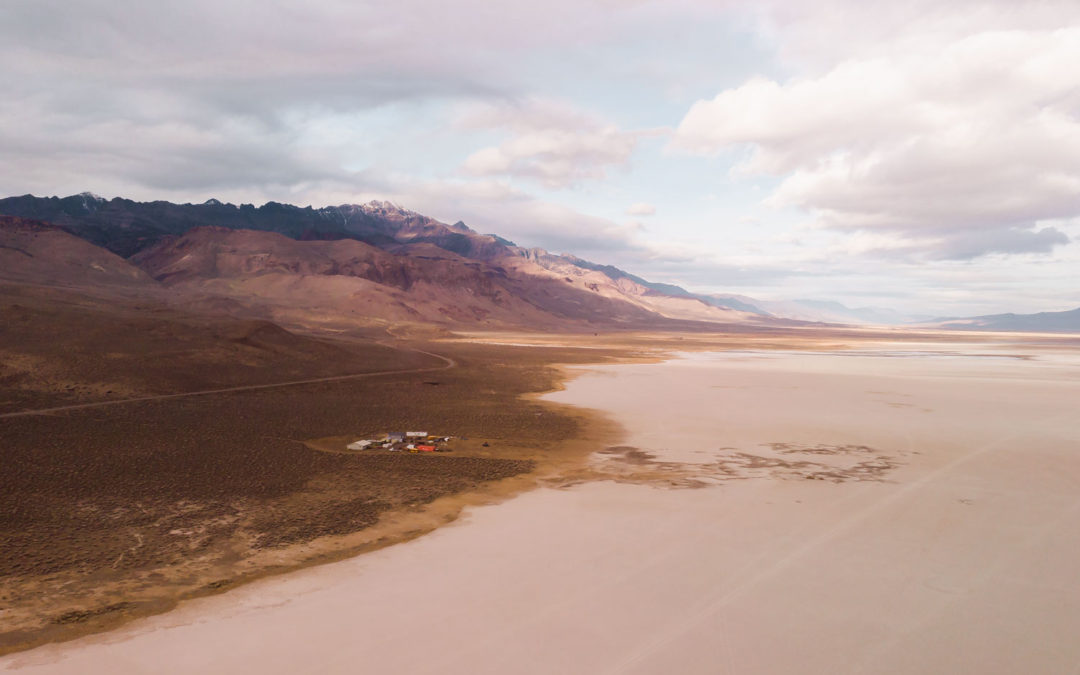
(215, 252)
(538, 263)
(35, 252)
(354, 281)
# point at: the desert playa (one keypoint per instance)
(890, 508)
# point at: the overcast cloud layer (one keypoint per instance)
(911, 155)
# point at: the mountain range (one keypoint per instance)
(372, 263)
(359, 264)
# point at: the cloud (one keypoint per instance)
(1002, 240)
(550, 142)
(960, 151)
(557, 158)
(137, 96)
(57, 152)
(641, 209)
(811, 37)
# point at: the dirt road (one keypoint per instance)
(448, 363)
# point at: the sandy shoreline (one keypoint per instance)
(907, 512)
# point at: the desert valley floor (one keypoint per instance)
(801, 507)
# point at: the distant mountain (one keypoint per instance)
(666, 300)
(820, 311)
(741, 303)
(373, 262)
(1043, 322)
(835, 312)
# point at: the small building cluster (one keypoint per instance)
(404, 441)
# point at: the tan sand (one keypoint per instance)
(878, 513)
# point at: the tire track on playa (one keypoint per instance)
(714, 605)
(448, 363)
(465, 652)
(980, 580)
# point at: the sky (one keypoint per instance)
(918, 156)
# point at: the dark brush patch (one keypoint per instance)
(81, 616)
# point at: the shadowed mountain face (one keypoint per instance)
(126, 227)
(365, 263)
